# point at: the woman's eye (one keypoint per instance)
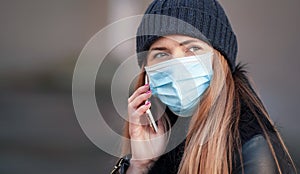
(160, 55)
(194, 49)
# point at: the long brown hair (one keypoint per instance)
(213, 136)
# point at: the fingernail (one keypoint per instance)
(148, 92)
(146, 84)
(147, 103)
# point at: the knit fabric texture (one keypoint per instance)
(202, 19)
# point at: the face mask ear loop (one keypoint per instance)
(209, 69)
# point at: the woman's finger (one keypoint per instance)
(140, 99)
(139, 91)
(138, 115)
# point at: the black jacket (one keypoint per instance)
(257, 157)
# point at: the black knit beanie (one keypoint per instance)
(202, 19)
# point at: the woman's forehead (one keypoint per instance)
(175, 39)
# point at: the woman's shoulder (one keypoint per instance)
(257, 156)
(249, 125)
(256, 152)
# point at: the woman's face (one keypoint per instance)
(175, 46)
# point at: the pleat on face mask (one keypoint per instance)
(179, 83)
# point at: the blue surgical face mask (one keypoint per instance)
(180, 83)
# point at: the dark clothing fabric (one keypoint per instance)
(257, 156)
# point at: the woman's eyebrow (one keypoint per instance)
(158, 48)
(181, 44)
(187, 42)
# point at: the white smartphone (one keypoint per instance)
(149, 114)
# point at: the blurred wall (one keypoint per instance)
(40, 42)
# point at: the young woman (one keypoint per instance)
(194, 75)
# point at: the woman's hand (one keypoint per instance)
(146, 145)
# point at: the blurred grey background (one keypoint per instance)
(41, 40)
